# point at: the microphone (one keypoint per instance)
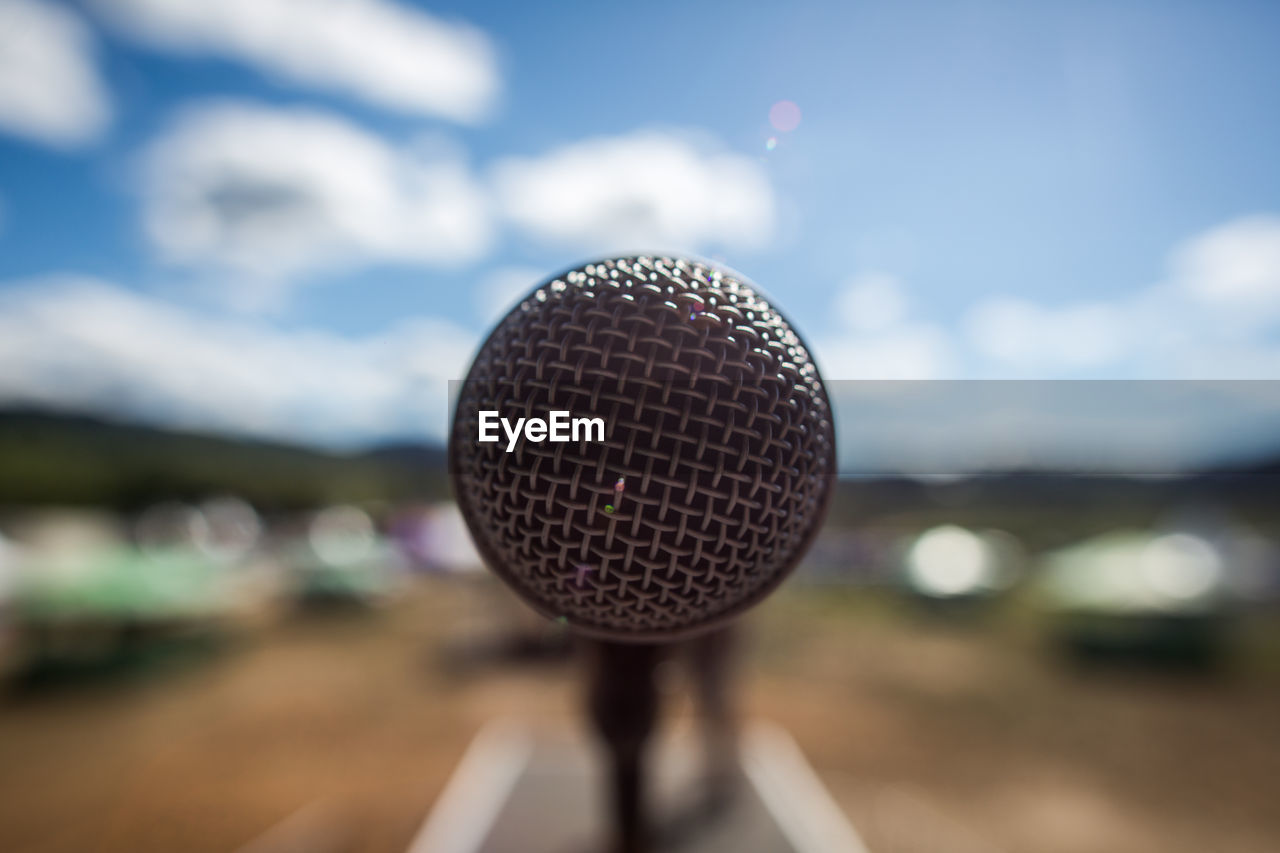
(713, 472)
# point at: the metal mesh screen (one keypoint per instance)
(717, 462)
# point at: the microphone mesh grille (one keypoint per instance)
(717, 462)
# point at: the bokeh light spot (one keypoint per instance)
(949, 560)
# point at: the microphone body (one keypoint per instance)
(706, 483)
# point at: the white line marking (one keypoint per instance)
(793, 794)
(464, 812)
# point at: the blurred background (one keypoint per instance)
(245, 246)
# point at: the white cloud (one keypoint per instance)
(1236, 265)
(878, 339)
(1215, 316)
(872, 301)
(909, 351)
(1021, 333)
(85, 344)
(647, 190)
(385, 53)
(50, 90)
(276, 193)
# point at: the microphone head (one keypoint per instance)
(716, 463)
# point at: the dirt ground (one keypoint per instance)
(337, 731)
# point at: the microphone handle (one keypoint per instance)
(623, 705)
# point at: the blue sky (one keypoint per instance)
(1073, 190)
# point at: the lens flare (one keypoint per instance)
(784, 116)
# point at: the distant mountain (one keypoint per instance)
(48, 457)
(409, 454)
